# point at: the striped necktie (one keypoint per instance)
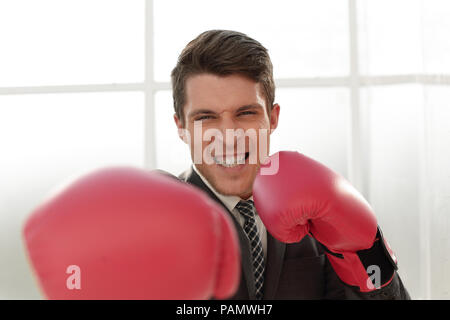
(247, 209)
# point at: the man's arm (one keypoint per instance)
(393, 291)
(306, 198)
(335, 289)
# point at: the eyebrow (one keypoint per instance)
(200, 111)
(206, 111)
(249, 107)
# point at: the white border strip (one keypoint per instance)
(149, 118)
(354, 158)
(429, 79)
(73, 88)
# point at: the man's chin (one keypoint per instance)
(232, 181)
(243, 193)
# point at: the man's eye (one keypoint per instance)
(203, 118)
(245, 113)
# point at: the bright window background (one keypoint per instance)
(437, 100)
(391, 36)
(51, 42)
(279, 26)
(301, 111)
(48, 140)
(364, 87)
(394, 169)
(172, 154)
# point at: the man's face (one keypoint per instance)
(224, 105)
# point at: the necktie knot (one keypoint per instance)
(246, 208)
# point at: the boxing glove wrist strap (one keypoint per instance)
(368, 269)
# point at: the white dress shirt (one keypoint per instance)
(230, 202)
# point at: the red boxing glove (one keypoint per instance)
(305, 197)
(124, 233)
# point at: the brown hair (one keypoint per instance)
(222, 52)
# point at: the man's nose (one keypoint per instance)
(227, 123)
(232, 135)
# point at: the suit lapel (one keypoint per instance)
(274, 263)
(275, 248)
(193, 178)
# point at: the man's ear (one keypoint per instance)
(182, 132)
(274, 115)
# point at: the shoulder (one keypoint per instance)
(168, 174)
(185, 176)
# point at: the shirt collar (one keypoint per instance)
(229, 201)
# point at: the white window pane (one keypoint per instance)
(390, 36)
(51, 42)
(315, 123)
(65, 131)
(438, 99)
(436, 25)
(394, 172)
(172, 154)
(303, 38)
(47, 139)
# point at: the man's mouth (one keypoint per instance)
(231, 161)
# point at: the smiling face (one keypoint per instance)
(221, 104)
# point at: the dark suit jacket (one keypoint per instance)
(294, 271)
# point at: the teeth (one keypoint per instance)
(230, 162)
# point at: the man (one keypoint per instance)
(223, 82)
